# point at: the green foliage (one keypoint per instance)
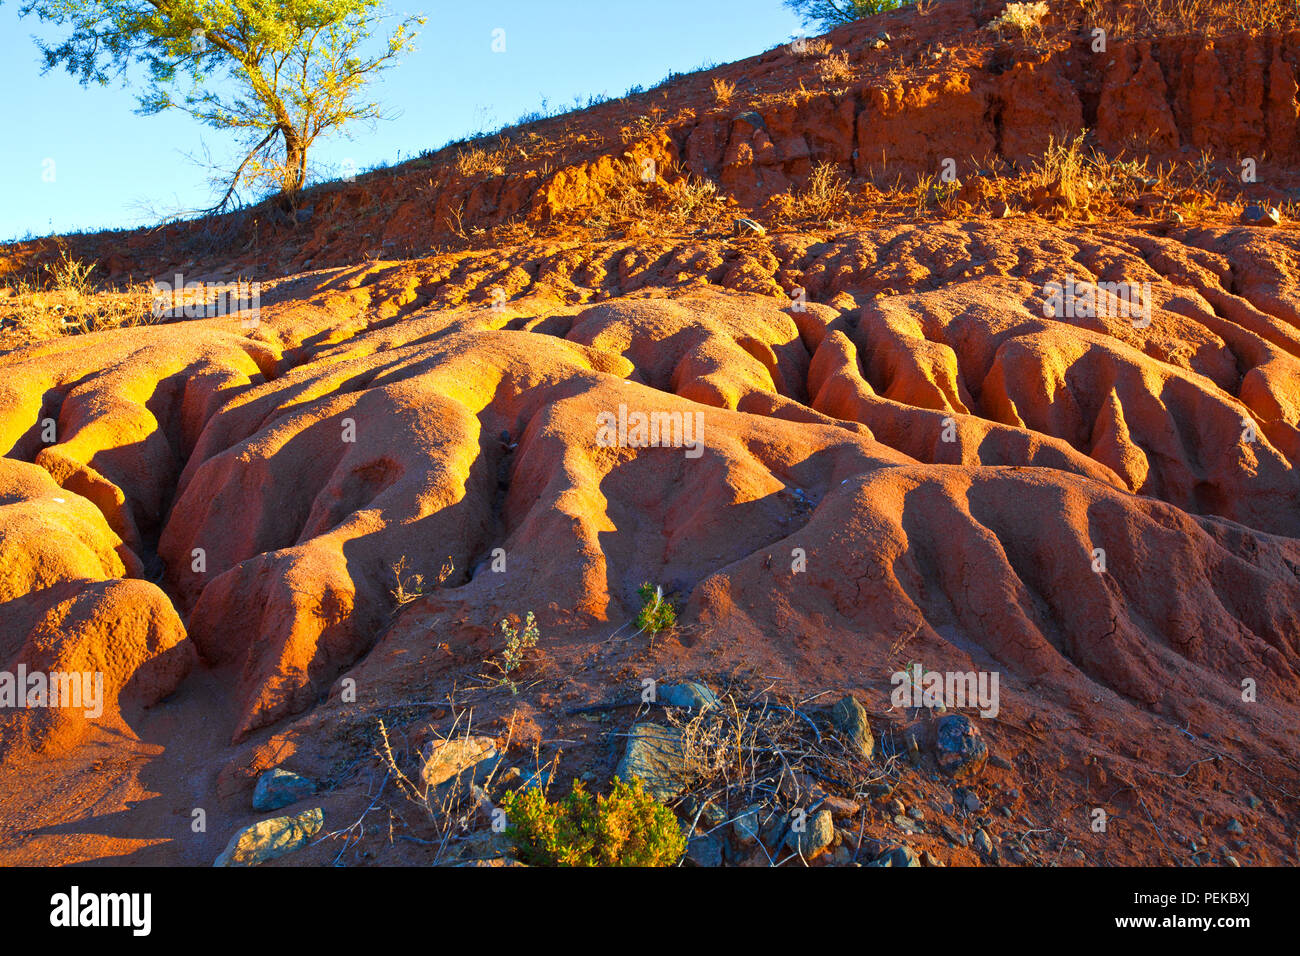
(517, 644)
(831, 13)
(656, 614)
(627, 827)
(289, 70)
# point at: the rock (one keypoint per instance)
(897, 856)
(536, 779)
(814, 837)
(840, 807)
(970, 801)
(278, 788)
(705, 850)
(796, 788)
(929, 859)
(960, 750)
(955, 837)
(1234, 826)
(270, 839)
(447, 761)
(1255, 215)
(748, 825)
(841, 856)
(849, 718)
(983, 843)
(690, 694)
(916, 813)
(913, 736)
(654, 755)
(483, 845)
(743, 226)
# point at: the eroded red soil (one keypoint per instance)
(948, 459)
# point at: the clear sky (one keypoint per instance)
(112, 168)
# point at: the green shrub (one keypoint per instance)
(656, 614)
(627, 827)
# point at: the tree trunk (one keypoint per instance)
(294, 174)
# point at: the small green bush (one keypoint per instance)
(656, 614)
(627, 827)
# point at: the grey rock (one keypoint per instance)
(467, 760)
(271, 838)
(278, 788)
(959, 748)
(747, 826)
(850, 718)
(1255, 215)
(654, 756)
(705, 850)
(690, 694)
(815, 836)
(1234, 826)
(897, 856)
(983, 842)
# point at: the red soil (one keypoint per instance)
(825, 430)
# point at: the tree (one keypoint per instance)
(831, 13)
(276, 73)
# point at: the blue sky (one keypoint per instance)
(112, 168)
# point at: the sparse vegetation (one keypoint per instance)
(682, 204)
(475, 161)
(835, 68)
(626, 827)
(518, 643)
(63, 300)
(723, 90)
(410, 586)
(824, 198)
(1024, 20)
(656, 614)
(1137, 18)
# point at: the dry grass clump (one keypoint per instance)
(410, 586)
(453, 818)
(835, 69)
(824, 198)
(1137, 18)
(1023, 20)
(683, 204)
(723, 90)
(63, 300)
(765, 756)
(475, 161)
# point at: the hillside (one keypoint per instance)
(293, 541)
